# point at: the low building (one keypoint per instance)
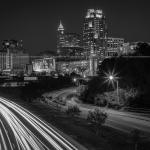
(113, 46)
(46, 65)
(2, 60)
(13, 58)
(77, 66)
(19, 60)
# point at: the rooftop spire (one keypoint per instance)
(60, 27)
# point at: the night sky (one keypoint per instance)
(35, 22)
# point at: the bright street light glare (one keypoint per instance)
(74, 79)
(84, 76)
(111, 77)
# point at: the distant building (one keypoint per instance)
(113, 46)
(2, 60)
(19, 60)
(94, 33)
(128, 48)
(46, 65)
(12, 44)
(68, 44)
(13, 57)
(72, 40)
(60, 38)
(77, 66)
(29, 69)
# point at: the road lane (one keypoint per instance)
(21, 130)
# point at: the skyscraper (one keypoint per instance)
(68, 44)
(60, 38)
(94, 33)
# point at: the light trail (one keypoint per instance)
(21, 130)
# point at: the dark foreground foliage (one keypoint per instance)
(133, 72)
(73, 111)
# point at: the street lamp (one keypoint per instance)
(84, 76)
(112, 79)
(77, 83)
(74, 79)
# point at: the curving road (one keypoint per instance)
(21, 130)
(123, 121)
(120, 120)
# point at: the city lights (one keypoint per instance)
(111, 77)
(74, 79)
(79, 79)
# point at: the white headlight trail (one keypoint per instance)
(25, 138)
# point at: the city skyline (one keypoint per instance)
(74, 75)
(36, 23)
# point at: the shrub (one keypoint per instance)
(73, 111)
(110, 98)
(97, 118)
(100, 100)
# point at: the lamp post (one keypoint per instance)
(112, 78)
(117, 91)
(75, 80)
(77, 83)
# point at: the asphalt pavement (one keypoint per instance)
(22, 130)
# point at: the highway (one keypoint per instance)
(21, 130)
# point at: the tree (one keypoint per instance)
(100, 100)
(73, 111)
(125, 95)
(142, 49)
(97, 118)
(94, 87)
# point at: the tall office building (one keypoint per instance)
(72, 40)
(68, 44)
(72, 45)
(60, 38)
(94, 33)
